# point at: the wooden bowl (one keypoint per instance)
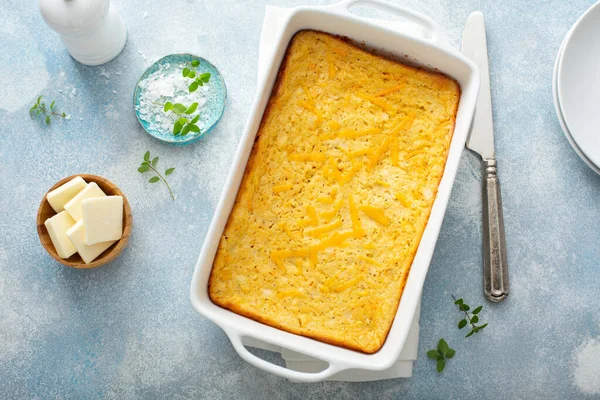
(46, 211)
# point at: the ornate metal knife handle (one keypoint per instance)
(495, 267)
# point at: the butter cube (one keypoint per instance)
(62, 194)
(73, 207)
(102, 219)
(88, 253)
(57, 227)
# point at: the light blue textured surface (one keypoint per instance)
(127, 330)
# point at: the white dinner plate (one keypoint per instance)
(578, 83)
(557, 108)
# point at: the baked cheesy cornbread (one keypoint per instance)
(336, 194)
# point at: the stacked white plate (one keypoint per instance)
(576, 87)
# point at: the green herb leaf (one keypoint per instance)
(192, 108)
(195, 63)
(33, 107)
(186, 130)
(433, 354)
(193, 86)
(195, 119)
(185, 72)
(440, 365)
(179, 108)
(148, 165)
(47, 120)
(194, 128)
(168, 106)
(177, 128)
(471, 319)
(443, 346)
(63, 115)
(191, 74)
(52, 104)
(450, 353)
(39, 99)
(205, 77)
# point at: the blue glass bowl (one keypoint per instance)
(211, 112)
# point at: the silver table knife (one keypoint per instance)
(481, 141)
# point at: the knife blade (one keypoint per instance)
(481, 141)
(474, 47)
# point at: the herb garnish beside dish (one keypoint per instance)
(469, 319)
(148, 165)
(441, 354)
(443, 351)
(40, 108)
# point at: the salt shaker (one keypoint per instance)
(92, 30)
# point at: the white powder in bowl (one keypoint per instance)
(167, 84)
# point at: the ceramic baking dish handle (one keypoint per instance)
(433, 30)
(236, 339)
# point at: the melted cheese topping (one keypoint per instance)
(336, 194)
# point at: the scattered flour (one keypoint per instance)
(104, 73)
(586, 362)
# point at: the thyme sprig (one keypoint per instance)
(470, 319)
(150, 165)
(39, 107)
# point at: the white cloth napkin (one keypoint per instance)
(274, 17)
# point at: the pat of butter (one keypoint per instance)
(73, 207)
(57, 227)
(62, 194)
(88, 253)
(102, 219)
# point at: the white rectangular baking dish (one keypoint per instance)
(431, 50)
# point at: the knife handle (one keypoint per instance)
(495, 266)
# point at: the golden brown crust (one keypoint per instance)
(336, 194)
